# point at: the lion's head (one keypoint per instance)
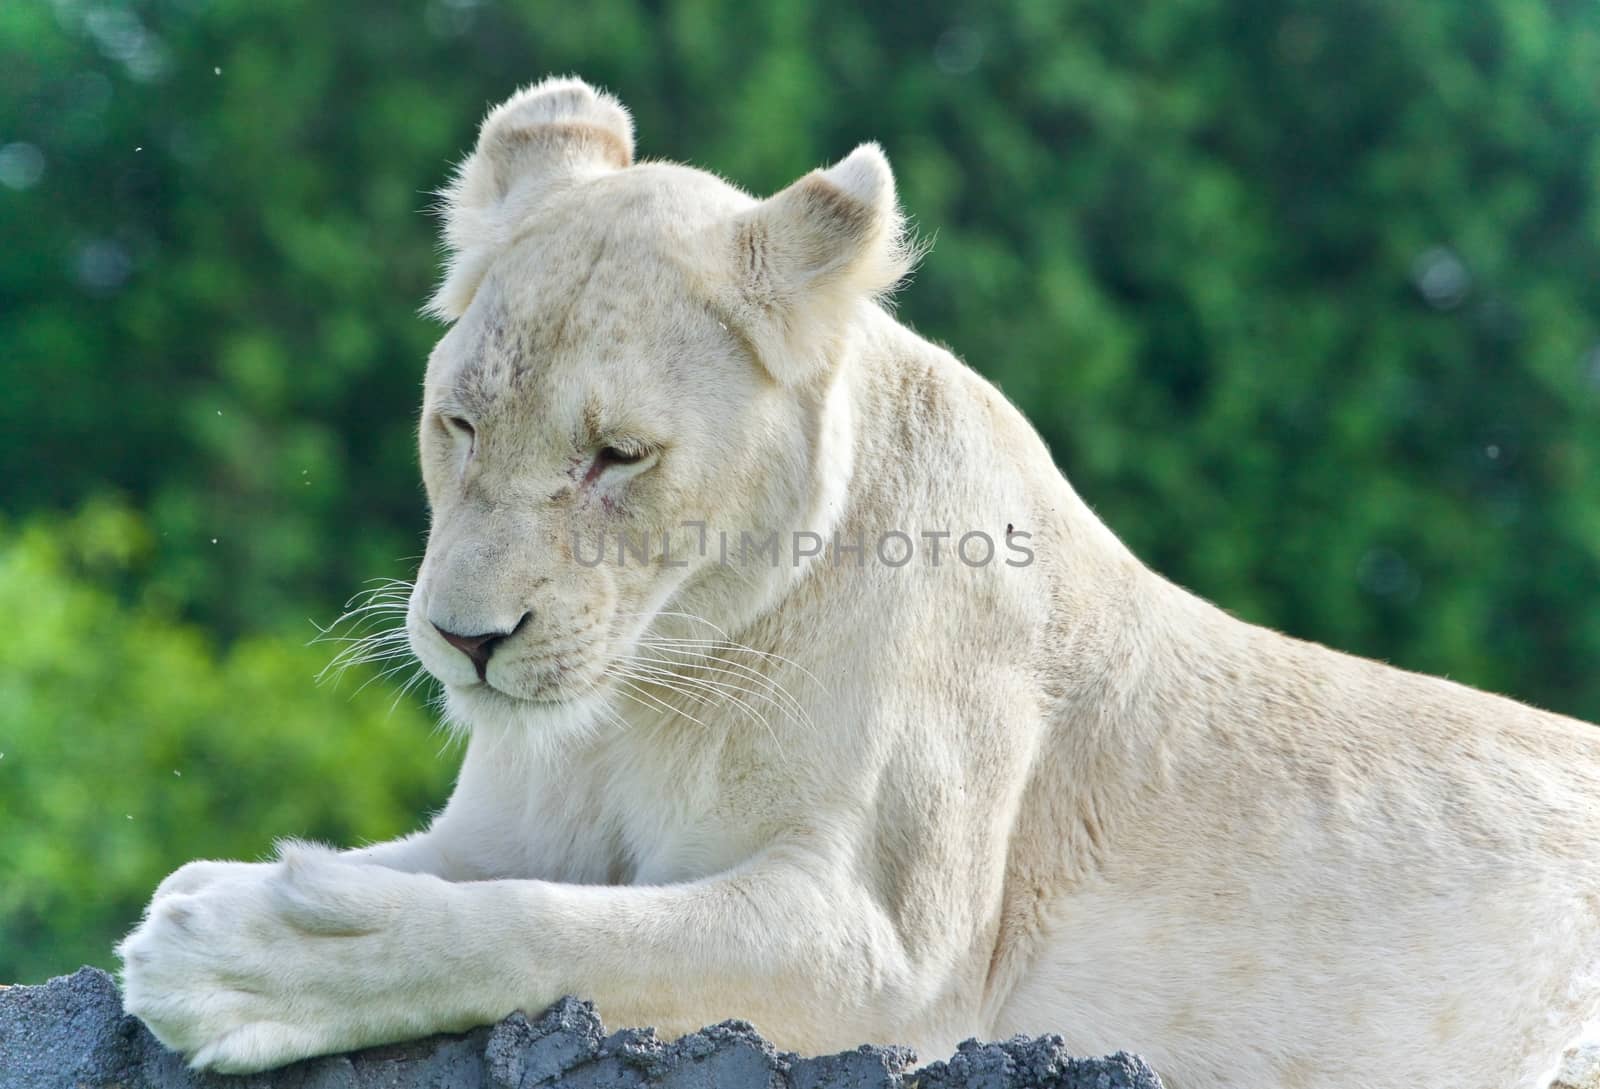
(633, 348)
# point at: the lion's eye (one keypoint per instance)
(626, 460)
(460, 432)
(614, 455)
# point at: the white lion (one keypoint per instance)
(844, 796)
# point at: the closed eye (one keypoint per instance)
(614, 455)
(458, 427)
(622, 460)
(459, 431)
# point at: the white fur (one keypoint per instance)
(907, 804)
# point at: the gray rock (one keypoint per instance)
(1021, 1063)
(71, 1033)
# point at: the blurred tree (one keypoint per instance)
(1305, 298)
(129, 746)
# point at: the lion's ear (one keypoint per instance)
(545, 136)
(808, 257)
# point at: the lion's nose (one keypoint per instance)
(479, 648)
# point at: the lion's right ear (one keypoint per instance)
(545, 136)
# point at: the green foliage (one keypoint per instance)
(129, 745)
(1305, 298)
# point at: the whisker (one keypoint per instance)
(770, 690)
(418, 676)
(725, 640)
(726, 663)
(712, 644)
(366, 652)
(675, 682)
(359, 612)
(634, 692)
(371, 631)
(681, 616)
(376, 677)
(664, 680)
(603, 707)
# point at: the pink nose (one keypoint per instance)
(477, 648)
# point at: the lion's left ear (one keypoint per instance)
(807, 258)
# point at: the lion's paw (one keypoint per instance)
(194, 876)
(244, 966)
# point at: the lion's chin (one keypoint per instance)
(552, 713)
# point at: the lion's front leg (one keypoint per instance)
(317, 953)
(245, 966)
(786, 941)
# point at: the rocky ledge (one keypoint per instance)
(71, 1033)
